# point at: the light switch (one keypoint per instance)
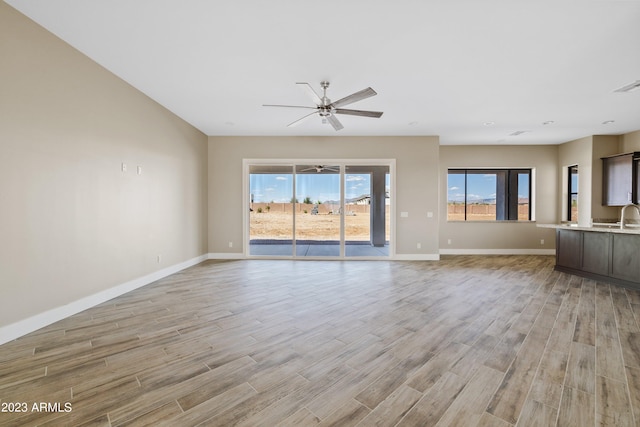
(124, 167)
(404, 214)
(429, 214)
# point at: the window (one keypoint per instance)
(489, 195)
(572, 202)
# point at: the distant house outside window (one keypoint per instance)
(572, 202)
(489, 195)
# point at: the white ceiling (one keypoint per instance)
(440, 67)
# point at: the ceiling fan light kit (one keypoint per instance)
(327, 110)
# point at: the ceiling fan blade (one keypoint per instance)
(311, 93)
(288, 106)
(363, 94)
(301, 119)
(363, 113)
(335, 122)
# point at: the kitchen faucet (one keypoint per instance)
(622, 213)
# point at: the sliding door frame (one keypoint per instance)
(342, 163)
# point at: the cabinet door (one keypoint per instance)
(617, 180)
(595, 252)
(625, 260)
(568, 248)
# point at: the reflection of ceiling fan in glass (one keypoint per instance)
(322, 168)
(327, 110)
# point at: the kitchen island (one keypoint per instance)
(604, 253)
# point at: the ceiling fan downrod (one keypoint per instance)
(325, 101)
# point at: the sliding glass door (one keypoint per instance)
(271, 210)
(306, 209)
(317, 214)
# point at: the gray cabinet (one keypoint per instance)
(568, 245)
(595, 252)
(625, 262)
(620, 179)
(604, 256)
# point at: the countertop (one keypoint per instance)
(613, 228)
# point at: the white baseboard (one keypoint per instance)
(497, 251)
(226, 255)
(400, 257)
(33, 323)
(416, 257)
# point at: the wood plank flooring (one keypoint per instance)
(465, 341)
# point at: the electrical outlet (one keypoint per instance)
(159, 259)
(542, 241)
(448, 241)
(124, 167)
(419, 245)
(230, 244)
(139, 170)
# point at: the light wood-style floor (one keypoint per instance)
(466, 341)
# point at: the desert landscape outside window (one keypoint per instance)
(308, 209)
(489, 195)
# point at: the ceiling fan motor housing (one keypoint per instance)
(325, 111)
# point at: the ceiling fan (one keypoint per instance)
(327, 110)
(321, 168)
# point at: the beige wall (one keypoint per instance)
(495, 236)
(630, 142)
(603, 146)
(72, 224)
(578, 152)
(586, 153)
(416, 181)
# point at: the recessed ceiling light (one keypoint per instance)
(518, 132)
(489, 123)
(548, 122)
(608, 122)
(630, 87)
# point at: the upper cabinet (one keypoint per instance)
(620, 179)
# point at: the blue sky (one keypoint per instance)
(279, 187)
(480, 187)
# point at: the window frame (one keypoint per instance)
(570, 193)
(506, 192)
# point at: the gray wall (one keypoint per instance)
(72, 224)
(586, 153)
(504, 236)
(416, 182)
